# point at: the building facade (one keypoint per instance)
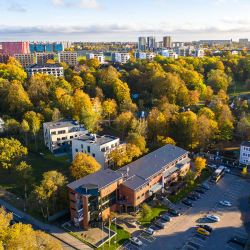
(151, 44)
(12, 48)
(4, 58)
(97, 146)
(167, 42)
(42, 58)
(245, 153)
(95, 196)
(41, 47)
(99, 56)
(25, 59)
(48, 69)
(120, 57)
(69, 58)
(142, 43)
(144, 55)
(58, 135)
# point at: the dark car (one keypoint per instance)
(205, 186)
(174, 212)
(192, 197)
(206, 227)
(187, 202)
(238, 240)
(198, 196)
(199, 190)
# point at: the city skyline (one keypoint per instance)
(109, 20)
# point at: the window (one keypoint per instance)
(53, 133)
(58, 139)
(81, 145)
(76, 149)
(93, 155)
(71, 136)
(88, 149)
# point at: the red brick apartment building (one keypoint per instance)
(93, 197)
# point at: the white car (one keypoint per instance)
(136, 241)
(226, 203)
(212, 217)
(149, 230)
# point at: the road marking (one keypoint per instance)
(229, 247)
(193, 244)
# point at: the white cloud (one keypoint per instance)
(84, 4)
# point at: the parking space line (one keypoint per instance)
(229, 247)
(201, 245)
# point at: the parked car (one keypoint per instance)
(136, 241)
(238, 240)
(166, 217)
(149, 230)
(206, 227)
(196, 195)
(161, 223)
(213, 166)
(205, 186)
(202, 231)
(187, 202)
(212, 217)
(225, 203)
(199, 190)
(227, 170)
(174, 212)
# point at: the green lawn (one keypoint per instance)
(189, 188)
(239, 89)
(156, 211)
(118, 240)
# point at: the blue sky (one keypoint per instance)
(123, 20)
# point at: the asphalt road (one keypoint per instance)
(180, 233)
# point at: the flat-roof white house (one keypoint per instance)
(120, 57)
(97, 146)
(245, 153)
(1, 125)
(99, 56)
(58, 135)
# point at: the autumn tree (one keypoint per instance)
(123, 123)
(218, 80)
(11, 152)
(199, 164)
(83, 165)
(165, 140)
(137, 140)
(109, 109)
(25, 128)
(51, 187)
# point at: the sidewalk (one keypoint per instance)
(53, 230)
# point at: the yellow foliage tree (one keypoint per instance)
(199, 164)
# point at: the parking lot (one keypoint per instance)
(181, 231)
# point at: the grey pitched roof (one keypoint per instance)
(245, 143)
(100, 178)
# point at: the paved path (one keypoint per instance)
(51, 229)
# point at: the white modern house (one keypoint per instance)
(97, 146)
(48, 69)
(99, 56)
(120, 57)
(1, 125)
(144, 55)
(58, 135)
(245, 153)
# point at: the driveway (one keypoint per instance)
(180, 234)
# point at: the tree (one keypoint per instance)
(77, 82)
(22, 236)
(123, 123)
(243, 127)
(164, 141)
(25, 129)
(218, 80)
(24, 172)
(109, 108)
(51, 187)
(12, 126)
(137, 140)
(190, 177)
(83, 165)
(199, 164)
(11, 152)
(34, 121)
(146, 211)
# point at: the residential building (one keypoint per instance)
(120, 57)
(95, 196)
(12, 48)
(177, 44)
(144, 55)
(169, 53)
(167, 42)
(197, 52)
(245, 153)
(97, 146)
(25, 59)
(4, 58)
(48, 69)
(99, 56)
(42, 58)
(68, 57)
(58, 135)
(142, 43)
(151, 45)
(48, 47)
(216, 42)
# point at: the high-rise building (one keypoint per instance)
(142, 43)
(42, 58)
(25, 59)
(151, 45)
(12, 48)
(167, 42)
(68, 57)
(46, 47)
